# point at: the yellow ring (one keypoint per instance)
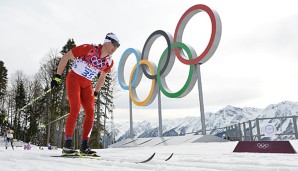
(135, 100)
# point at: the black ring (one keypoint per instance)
(150, 40)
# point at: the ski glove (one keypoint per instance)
(95, 95)
(56, 81)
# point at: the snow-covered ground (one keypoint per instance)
(187, 157)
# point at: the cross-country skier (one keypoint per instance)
(9, 137)
(89, 61)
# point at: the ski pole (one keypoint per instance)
(57, 119)
(29, 104)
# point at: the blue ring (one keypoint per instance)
(122, 61)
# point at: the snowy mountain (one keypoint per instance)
(214, 121)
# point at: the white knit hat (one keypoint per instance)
(112, 36)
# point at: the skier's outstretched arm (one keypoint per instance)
(69, 55)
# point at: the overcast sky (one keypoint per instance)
(255, 64)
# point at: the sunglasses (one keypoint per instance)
(113, 41)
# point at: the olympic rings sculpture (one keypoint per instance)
(175, 49)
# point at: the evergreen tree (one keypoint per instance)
(69, 45)
(20, 100)
(3, 80)
(3, 87)
(103, 106)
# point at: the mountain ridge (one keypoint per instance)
(226, 116)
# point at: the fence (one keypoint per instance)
(252, 130)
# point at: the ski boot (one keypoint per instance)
(68, 149)
(85, 150)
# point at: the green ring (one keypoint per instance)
(164, 88)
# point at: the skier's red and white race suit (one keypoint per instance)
(79, 87)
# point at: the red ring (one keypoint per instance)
(213, 22)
